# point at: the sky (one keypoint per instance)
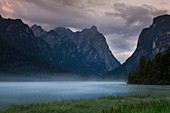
(120, 21)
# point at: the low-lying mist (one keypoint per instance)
(57, 77)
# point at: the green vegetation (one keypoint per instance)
(15, 60)
(143, 103)
(156, 71)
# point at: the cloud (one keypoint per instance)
(133, 14)
(135, 17)
(55, 13)
(7, 9)
(70, 13)
(121, 43)
(5, 6)
(126, 53)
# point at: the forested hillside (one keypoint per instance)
(14, 59)
(156, 71)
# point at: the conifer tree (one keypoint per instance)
(156, 71)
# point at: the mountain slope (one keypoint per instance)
(22, 36)
(65, 53)
(14, 59)
(21, 51)
(85, 51)
(151, 40)
(19, 33)
(95, 50)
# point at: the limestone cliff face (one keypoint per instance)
(151, 40)
(85, 51)
(95, 50)
(38, 31)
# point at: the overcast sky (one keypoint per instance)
(121, 21)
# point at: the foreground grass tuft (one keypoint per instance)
(104, 104)
(161, 106)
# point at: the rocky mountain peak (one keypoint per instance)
(63, 31)
(52, 32)
(35, 26)
(19, 21)
(93, 46)
(93, 28)
(161, 19)
(38, 31)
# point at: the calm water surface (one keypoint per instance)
(29, 92)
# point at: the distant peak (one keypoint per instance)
(36, 26)
(52, 31)
(93, 28)
(19, 20)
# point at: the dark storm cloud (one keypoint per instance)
(122, 43)
(139, 14)
(136, 17)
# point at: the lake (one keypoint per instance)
(29, 92)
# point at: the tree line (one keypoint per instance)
(155, 71)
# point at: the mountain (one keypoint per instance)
(19, 33)
(95, 51)
(63, 31)
(151, 40)
(16, 60)
(85, 51)
(38, 31)
(21, 51)
(22, 36)
(65, 53)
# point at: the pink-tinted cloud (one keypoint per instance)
(7, 9)
(6, 6)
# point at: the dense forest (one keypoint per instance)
(155, 71)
